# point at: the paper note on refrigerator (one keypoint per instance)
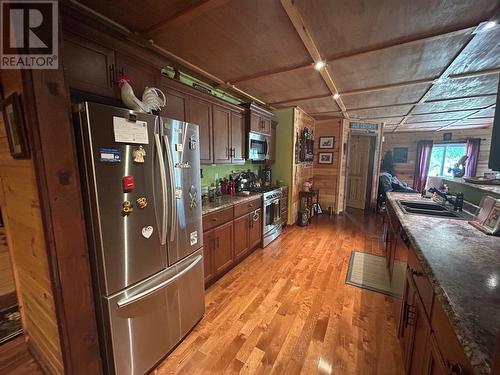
(127, 131)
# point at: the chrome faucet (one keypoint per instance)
(456, 199)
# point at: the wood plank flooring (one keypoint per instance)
(287, 310)
(15, 359)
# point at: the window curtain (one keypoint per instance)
(472, 152)
(424, 149)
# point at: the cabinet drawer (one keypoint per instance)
(450, 348)
(246, 207)
(422, 283)
(217, 218)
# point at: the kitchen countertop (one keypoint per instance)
(463, 265)
(227, 201)
(488, 188)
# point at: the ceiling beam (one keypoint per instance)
(297, 21)
(465, 117)
(469, 45)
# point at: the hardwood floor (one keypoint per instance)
(286, 310)
(15, 359)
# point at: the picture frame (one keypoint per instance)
(15, 127)
(325, 158)
(327, 142)
(400, 155)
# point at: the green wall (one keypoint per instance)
(210, 171)
(282, 168)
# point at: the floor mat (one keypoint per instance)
(370, 272)
(10, 324)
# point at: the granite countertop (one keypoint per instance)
(227, 201)
(488, 188)
(463, 265)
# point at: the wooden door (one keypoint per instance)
(357, 179)
(255, 236)
(241, 235)
(223, 247)
(89, 66)
(238, 138)
(200, 114)
(177, 104)
(266, 125)
(140, 73)
(255, 122)
(208, 255)
(221, 119)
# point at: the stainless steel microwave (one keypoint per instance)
(258, 146)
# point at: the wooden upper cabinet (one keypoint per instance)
(140, 73)
(255, 122)
(89, 66)
(258, 119)
(221, 120)
(255, 232)
(200, 113)
(223, 247)
(177, 104)
(238, 137)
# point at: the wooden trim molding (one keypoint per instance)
(61, 205)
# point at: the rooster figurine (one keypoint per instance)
(151, 100)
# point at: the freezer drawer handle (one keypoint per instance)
(127, 301)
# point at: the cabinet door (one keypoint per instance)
(255, 122)
(421, 335)
(255, 227)
(405, 330)
(266, 125)
(177, 104)
(241, 235)
(88, 66)
(238, 138)
(208, 258)
(435, 364)
(221, 119)
(223, 249)
(141, 74)
(200, 114)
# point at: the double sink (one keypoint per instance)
(428, 209)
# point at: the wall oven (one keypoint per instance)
(258, 146)
(272, 216)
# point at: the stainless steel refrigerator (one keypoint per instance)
(141, 177)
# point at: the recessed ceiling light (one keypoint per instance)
(336, 96)
(318, 65)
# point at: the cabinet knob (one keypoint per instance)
(455, 368)
(214, 219)
(417, 273)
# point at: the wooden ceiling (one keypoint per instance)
(414, 65)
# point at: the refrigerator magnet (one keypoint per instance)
(127, 208)
(179, 147)
(142, 202)
(147, 231)
(193, 238)
(139, 154)
(128, 184)
(109, 155)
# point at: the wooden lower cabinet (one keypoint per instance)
(208, 258)
(223, 247)
(241, 235)
(255, 228)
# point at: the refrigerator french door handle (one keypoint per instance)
(173, 203)
(137, 297)
(163, 177)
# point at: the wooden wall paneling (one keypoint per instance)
(406, 171)
(62, 212)
(326, 175)
(23, 219)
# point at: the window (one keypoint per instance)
(444, 156)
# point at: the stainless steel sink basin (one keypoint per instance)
(423, 205)
(428, 209)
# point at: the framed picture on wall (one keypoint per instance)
(14, 126)
(326, 142)
(325, 158)
(400, 155)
